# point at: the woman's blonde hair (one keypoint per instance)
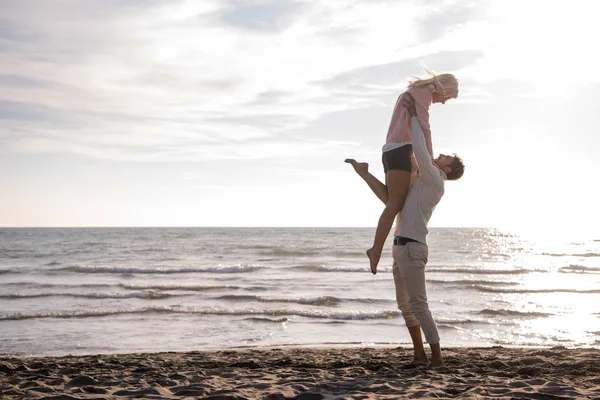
(445, 84)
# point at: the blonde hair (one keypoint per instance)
(444, 84)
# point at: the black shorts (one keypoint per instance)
(399, 159)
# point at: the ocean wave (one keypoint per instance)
(445, 326)
(511, 290)
(52, 263)
(586, 255)
(324, 268)
(318, 314)
(59, 285)
(134, 286)
(580, 269)
(256, 246)
(327, 301)
(472, 282)
(483, 271)
(259, 319)
(346, 254)
(91, 269)
(289, 253)
(450, 321)
(514, 313)
(194, 288)
(148, 295)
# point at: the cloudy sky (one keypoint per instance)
(241, 112)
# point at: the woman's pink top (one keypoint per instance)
(399, 130)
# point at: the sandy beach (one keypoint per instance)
(307, 373)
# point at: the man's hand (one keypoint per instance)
(408, 102)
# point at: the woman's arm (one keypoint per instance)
(378, 187)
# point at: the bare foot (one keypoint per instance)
(436, 363)
(417, 363)
(373, 259)
(420, 360)
(360, 167)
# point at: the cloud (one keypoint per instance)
(162, 80)
(30, 112)
(269, 16)
(445, 17)
(21, 81)
(391, 74)
(270, 97)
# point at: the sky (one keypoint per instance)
(240, 113)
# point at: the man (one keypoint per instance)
(410, 241)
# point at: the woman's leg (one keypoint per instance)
(398, 184)
(378, 187)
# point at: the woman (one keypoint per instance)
(397, 151)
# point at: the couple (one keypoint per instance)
(411, 196)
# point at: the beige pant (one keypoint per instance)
(411, 291)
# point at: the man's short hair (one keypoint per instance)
(458, 169)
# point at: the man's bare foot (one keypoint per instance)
(420, 360)
(436, 363)
(360, 167)
(417, 362)
(373, 259)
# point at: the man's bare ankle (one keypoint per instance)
(436, 362)
(420, 360)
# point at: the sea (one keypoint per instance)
(122, 290)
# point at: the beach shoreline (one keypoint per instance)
(299, 372)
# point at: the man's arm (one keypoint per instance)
(422, 101)
(430, 173)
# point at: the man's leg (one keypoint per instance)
(411, 265)
(420, 358)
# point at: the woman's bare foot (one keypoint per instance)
(361, 168)
(373, 259)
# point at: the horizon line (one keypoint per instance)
(228, 226)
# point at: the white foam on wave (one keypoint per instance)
(147, 294)
(325, 268)
(524, 290)
(93, 269)
(346, 315)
